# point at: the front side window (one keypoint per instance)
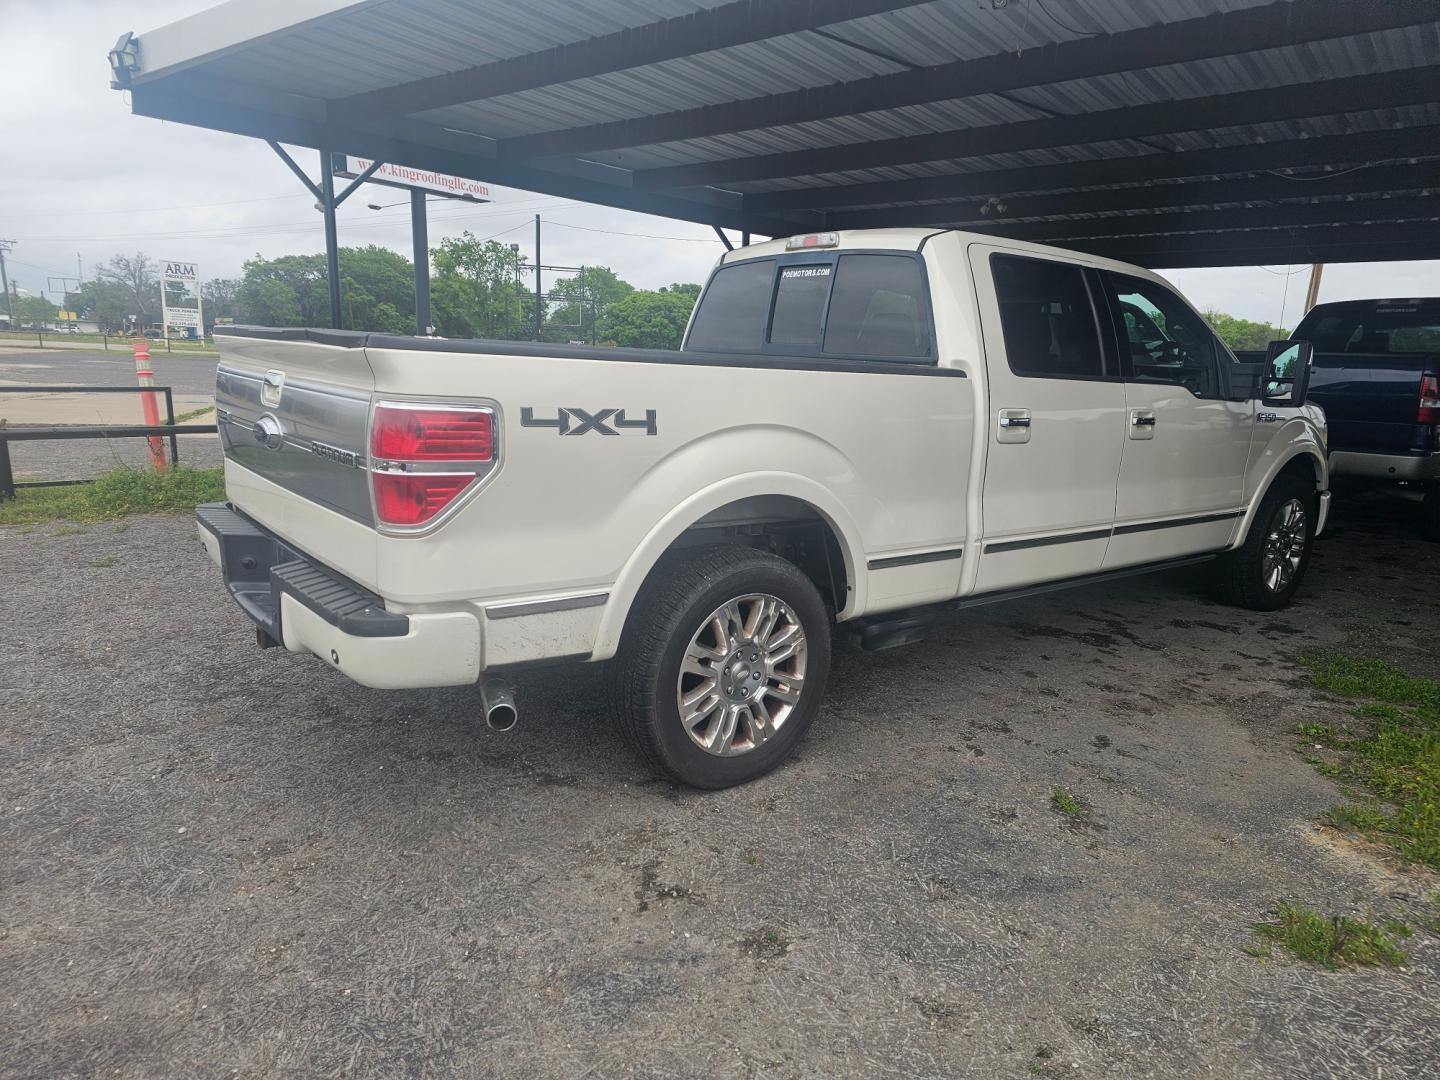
(1047, 318)
(1167, 341)
(734, 309)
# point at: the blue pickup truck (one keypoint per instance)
(1377, 375)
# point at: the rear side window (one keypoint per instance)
(878, 308)
(799, 301)
(1047, 318)
(732, 315)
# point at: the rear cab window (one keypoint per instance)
(1373, 327)
(837, 305)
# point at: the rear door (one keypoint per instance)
(1182, 474)
(1056, 420)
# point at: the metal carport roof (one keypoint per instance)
(1163, 132)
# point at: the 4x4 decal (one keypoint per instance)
(574, 421)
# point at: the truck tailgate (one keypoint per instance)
(292, 416)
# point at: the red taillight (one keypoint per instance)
(1429, 410)
(403, 434)
(415, 498)
(407, 445)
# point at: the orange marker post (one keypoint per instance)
(148, 403)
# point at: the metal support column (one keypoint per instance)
(420, 243)
(539, 309)
(332, 240)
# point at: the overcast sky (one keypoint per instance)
(82, 177)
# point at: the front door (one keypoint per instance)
(1056, 420)
(1187, 446)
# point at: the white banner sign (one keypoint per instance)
(180, 304)
(402, 176)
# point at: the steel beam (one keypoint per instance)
(186, 107)
(1379, 179)
(1364, 146)
(1359, 93)
(1126, 228)
(723, 27)
(1339, 243)
(1221, 34)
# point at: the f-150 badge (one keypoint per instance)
(574, 421)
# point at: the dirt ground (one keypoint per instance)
(217, 861)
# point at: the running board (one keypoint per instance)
(911, 625)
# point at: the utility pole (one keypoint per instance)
(79, 268)
(1312, 294)
(539, 311)
(5, 246)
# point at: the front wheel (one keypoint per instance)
(1264, 573)
(722, 665)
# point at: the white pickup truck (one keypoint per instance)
(864, 428)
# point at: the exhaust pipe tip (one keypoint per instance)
(501, 717)
(499, 706)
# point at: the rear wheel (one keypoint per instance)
(1430, 514)
(722, 666)
(1264, 573)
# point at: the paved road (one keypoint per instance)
(191, 378)
(218, 861)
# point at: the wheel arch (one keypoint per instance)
(1300, 454)
(737, 503)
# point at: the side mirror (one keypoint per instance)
(1285, 381)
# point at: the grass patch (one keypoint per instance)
(1068, 804)
(193, 413)
(116, 494)
(1391, 752)
(1331, 943)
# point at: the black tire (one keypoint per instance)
(1430, 514)
(1240, 575)
(675, 605)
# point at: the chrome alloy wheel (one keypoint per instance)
(1284, 546)
(742, 675)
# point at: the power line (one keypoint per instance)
(645, 236)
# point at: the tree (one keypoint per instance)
(220, 298)
(377, 291)
(137, 277)
(647, 320)
(32, 310)
(683, 288)
(474, 292)
(1242, 333)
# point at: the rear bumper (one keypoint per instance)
(309, 608)
(1413, 467)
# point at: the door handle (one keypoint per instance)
(1140, 420)
(1012, 426)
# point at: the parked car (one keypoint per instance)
(872, 429)
(1377, 375)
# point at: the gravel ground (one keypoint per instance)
(222, 861)
(192, 380)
